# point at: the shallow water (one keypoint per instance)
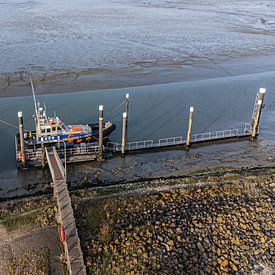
(156, 111)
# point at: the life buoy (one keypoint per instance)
(62, 234)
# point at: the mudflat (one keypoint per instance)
(73, 46)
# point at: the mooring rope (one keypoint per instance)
(116, 108)
(9, 124)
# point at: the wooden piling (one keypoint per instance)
(21, 137)
(257, 112)
(123, 138)
(262, 92)
(42, 153)
(100, 133)
(256, 118)
(188, 138)
(127, 108)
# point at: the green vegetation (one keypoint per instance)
(35, 262)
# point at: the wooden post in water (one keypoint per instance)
(123, 138)
(127, 109)
(256, 118)
(188, 138)
(21, 137)
(100, 133)
(257, 112)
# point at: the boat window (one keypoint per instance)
(43, 131)
(58, 128)
(63, 127)
(54, 128)
(48, 130)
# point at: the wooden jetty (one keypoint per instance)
(74, 256)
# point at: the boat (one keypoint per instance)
(52, 130)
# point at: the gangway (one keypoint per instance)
(74, 256)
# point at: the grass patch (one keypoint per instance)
(35, 262)
(40, 218)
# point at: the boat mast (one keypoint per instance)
(34, 99)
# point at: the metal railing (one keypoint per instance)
(170, 141)
(85, 149)
(215, 135)
(135, 145)
(50, 164)
(59, 163)
(36, 154)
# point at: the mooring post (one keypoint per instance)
(123, 138)
(21, 136)
(256, 118)
(127, 109)
(257, 112)
(100, 133)
(42, 153)
(188, 138)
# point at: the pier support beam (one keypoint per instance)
(100, 134)
(188, 138)
(259, 103)
(123, 138)
(21, 137)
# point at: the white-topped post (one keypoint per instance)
(259, 104)
(127, 108)
(123, 138)
(21, 137)
(188, 138)
(256, 118)
(100, 132)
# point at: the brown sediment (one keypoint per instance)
(141, 73)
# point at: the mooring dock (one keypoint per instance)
(95, 151)
(201, 138)
(74, 256)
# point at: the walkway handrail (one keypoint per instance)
(50, 164)
(59, 163)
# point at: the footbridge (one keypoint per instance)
(74, 256)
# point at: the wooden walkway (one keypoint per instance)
(75, 262)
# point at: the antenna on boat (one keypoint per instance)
(34, 99)
(45, 108)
